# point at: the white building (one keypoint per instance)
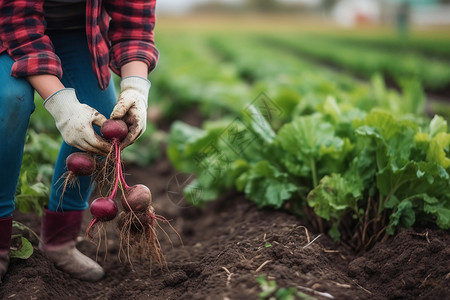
(349, 13)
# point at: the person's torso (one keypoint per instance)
(65, 14)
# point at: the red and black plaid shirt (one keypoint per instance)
(118, 32)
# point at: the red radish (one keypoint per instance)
(102, 209)
(137, 198)
(80, 164)
(114, 130)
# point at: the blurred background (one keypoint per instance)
(345, 13)
(393, 40)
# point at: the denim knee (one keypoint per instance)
(16, 95)
(16, 102)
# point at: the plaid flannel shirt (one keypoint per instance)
(118, 32)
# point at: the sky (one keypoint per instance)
(180, 6)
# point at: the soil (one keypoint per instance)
(231, 242)
(227, 245)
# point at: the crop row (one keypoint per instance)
(433, 73)
(291, 80)
(191, 74)
(431, 45)
(225, 73)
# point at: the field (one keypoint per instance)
(295, 160)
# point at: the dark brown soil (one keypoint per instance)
(227, 245)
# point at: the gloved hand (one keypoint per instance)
(132, 107)
(74, 121)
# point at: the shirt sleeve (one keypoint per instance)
(22, 33)
(131, 33)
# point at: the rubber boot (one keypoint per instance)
(59, 231)
(5, 243)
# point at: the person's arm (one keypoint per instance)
(22, 33)
(134, 68)
(133, 57)
(45, 85)
(131, 34)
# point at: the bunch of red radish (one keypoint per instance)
(137, 220)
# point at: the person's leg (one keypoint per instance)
(73, 51)
(16, 107)
(62, 220)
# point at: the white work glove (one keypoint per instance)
(74, 121)
(132, 106)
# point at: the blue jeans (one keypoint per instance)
(17, 105)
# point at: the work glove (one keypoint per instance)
(132, 106)
(74, 121)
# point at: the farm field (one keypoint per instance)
(294, 160)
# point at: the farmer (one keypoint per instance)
(63, 49)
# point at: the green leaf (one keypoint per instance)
(19, 226)
(389, 180)
(266, 185)
(404, 216)
(181, 136)
(437, 125)
(259, 124)
(363, 169)
(437, 151)
(393, 137)
(24, 251)
(304, 137)
(384, 124)
(412, 179)
(391, 202)
(332, 108)
(268, 287)
(315, 148)
(334, 232)
(334, 195)
(286, 294)
(440, 209)
(32, 197)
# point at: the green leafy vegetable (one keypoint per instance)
(351, 170)
(24, 250)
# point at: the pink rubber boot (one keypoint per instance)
(5, 243)
(58, 234)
